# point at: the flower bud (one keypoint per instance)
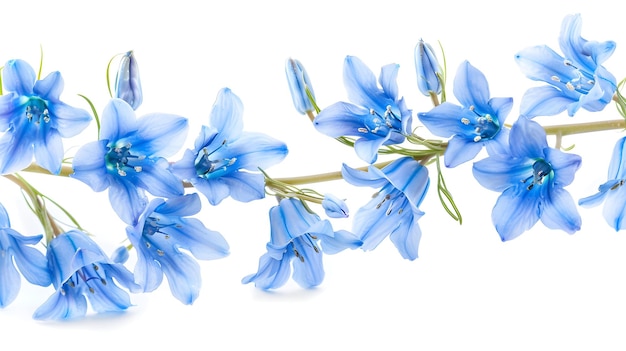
(127, 83)
(299, 82)
(120, 255)
(334, 206)
(427, 68)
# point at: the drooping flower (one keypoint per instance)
(394, 209)
(478, 122)
(225, 159)
(298, 240)
(159, 235)
(334, 207)
(127, 82)
(377, 115)
(531, 177)
(427, 68)
(298, 81)
(34, 120)
(16, 252)
(575, 80)
(129, 158)
(612, 192)
(81, 272)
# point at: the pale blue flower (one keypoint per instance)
(531, 177)
(334, 207)
(298, 240)
(129, 158)
(612, 192)
(377, 115)
(477, 123)
(33, 119)
(298, 81)
(394, 209)
(225, 160)
(16, 252)
(427, 68)
(575, 80)
(127, 82)
(81, 272)
(162, 237)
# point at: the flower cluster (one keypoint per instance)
(156, 186)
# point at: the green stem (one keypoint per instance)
(580, 128)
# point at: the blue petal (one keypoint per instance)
(499, 172)
(181, 206)
(614, 210)
(559, 211)
(89, 165)
(215, 190)
(564, 166)
(30, 261)
(617, 165)
(367, 149)
(527, 138)
(341, 119)
(160, 134)
(308, 271)
(461, 150)
(48, 150)
(444, 120)
(387, 80)
(118, 120)
(544, 101)
(342, 240)
(17, 149)
(409, 177)
(68, 120)
(19, 77)
(272, 273)
(158, 180)
(148, 272)
(192, 235)
(361, 178)
(227, 114)
(515, 211)
(61, 306)
(127, 200)
(361, 85)
(406, 237)
(10, 280)
(257, 150)
(49, 88)
(246, 187)
(471, 87)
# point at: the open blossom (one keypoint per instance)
(377, 115)
(531, 177)
(16, 252)
(612, 192)
(477, 123)
(575, 80)
(161, 234)
(394, 209)
(129, 158)
(33, 119)
(298, 240)
(81, 272)
(225, 159)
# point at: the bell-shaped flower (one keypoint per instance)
(428, 69)
(612, 192)
(478, 122)
(575, 80)
(81, 272)
(334, 207)
(225, 160)
(394, 209)
(531, 177)
(377, 115)
(127, 82)
(16, 252)
(130, 158)
(162, 236)
(298, 240)
(33, 119)
(299, 82)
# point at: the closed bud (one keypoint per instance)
(127, 82)
(334, 206)
(299, 82)
(427, 68)
(120, 255)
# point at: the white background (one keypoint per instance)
(467, 290)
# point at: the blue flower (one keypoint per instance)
(127, 82)
(478, 122)
(225, 159)
(15, 250)
(33, 119)
(576, 80)
(612, 190)
(531, 177)
(298, 81)
(334, 207)
(298, 239)
(160, 234)
(427, 68)
(377, 115)
(394, 209)
(81, 271)
(129, 158)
